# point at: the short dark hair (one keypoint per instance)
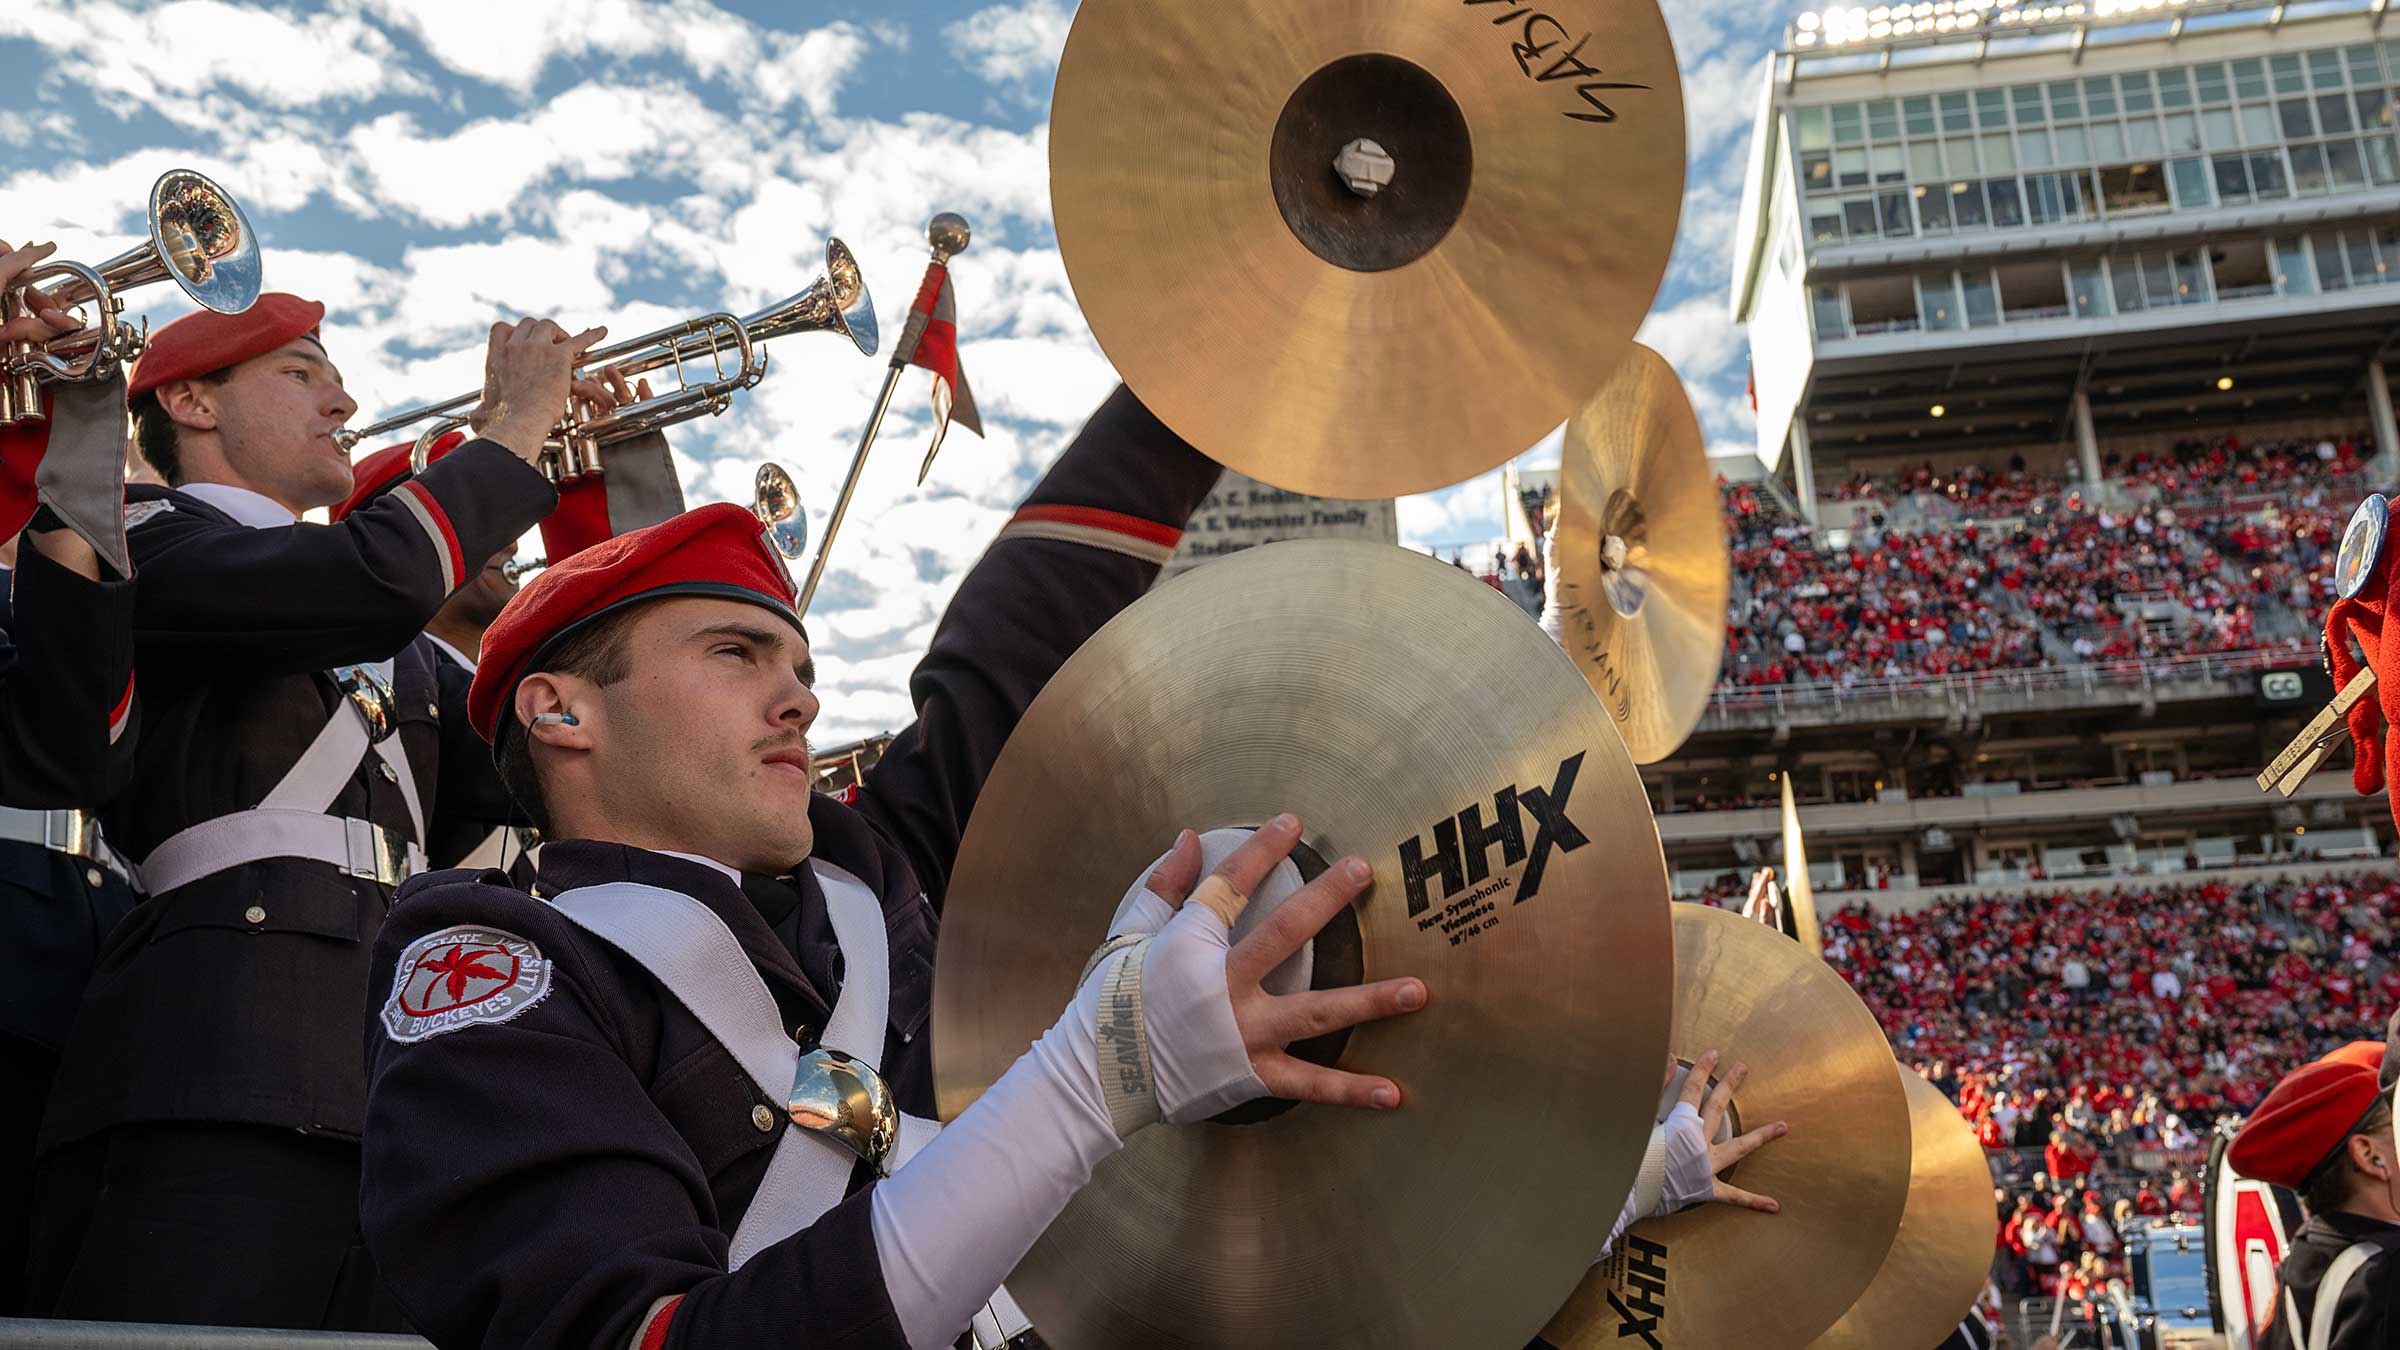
(2330, 1187)
(597, 652)
(154, 431)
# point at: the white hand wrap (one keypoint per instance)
(1690, 1182)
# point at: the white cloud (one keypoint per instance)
(272, 56)
(1015, 43)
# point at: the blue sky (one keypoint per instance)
(427, 166)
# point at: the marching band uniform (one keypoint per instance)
(2305, 1124)
(612, 1150)
(199, 1157)
(67, 733)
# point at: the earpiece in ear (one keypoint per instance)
(555, 720)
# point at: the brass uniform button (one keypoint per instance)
(255, 914)
(763, 1118)
(388, 775)
(91, 876)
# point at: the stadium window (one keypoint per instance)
(1933, 208)
(2108, 141)
(1882, 305)
(2158, 280)
(2028, 98)
(2066, 100)
(1858, 218)
(1891, 164)
(1982, 297)
(1937, 302)
(2233, 178)
(2218, 129)
(2008, 205)
(1924, 161)
(2175, 88)
(2034, 291)
(2033, 149)
(1850, 168)
(1958, 158)
(2334, 113)
(1958, 114)
(2308, 170)
(2383, 161)
(2183, 133)
(2344, 168)
(2267, 179)
(1967, 206)
(2325, 68)
(2053, 198)
(1883, 120)
(2126, 276)
(2258, 124)
(1848, 129)
(2250, 78)
(2072, 146)
(2293, 274)
(2243, 269)
(1816, 171)
(1825, 222)
(1999, 152)
(2296, 122)
(1826, 301)
(1894, 208)
(2142, 137)
(2191, 278)
(1812, 128)
(2190, 180)
(2387, 241)
(2285, 70)
(2100, 96)
(2365, 66)
(1917, 113)
(2137, 95)
(2132, 189)
(2358, 249)
(2331, 274)
(2211, 84)
(2088, 279)
(1991, 108)
(2374, 109)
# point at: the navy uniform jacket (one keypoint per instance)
(544, 1181)
(2366, 1318)
(67, 728)
(474, 800)
(198, 1010)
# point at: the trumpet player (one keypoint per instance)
(199, 1160)
(67, 733)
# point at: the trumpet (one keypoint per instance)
(774, 499)
(199, 239)
(726, 349)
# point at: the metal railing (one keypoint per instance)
(1979, 685)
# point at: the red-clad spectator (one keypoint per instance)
(2147, 1202)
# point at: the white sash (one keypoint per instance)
(2329, 1293)
(688, 949)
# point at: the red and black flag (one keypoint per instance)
(930, 341)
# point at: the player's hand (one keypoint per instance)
(40, 319)
(1722, 1156)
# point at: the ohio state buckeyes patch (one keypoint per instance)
(463, 977)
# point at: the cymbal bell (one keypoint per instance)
(1718, 1276)
(1938, 1263)
(1273, 680)
(1643, 573)
(1349, 345)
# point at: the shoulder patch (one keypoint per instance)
(137, 513)
(462, 977)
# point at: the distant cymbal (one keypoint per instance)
(1280, 679)
(1799, 892)
(1937, 1265)
(1643, 573)
(1360, 346)
(1717, 1276)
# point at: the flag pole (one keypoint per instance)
(948, 234)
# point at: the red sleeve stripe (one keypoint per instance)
(1118, 533)
(122, 714)
(653, 1332)
(436, 522)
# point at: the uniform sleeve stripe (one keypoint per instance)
(653, 1332)
(1165, 536)
(122, 713)
(429, 514)
(1090, 535)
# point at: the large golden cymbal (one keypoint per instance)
(1717, 1276)
(1799, 891)
(1351, 346)
(1643, 574)
(1938, 1263)
(1301, 676)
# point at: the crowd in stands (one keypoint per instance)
(2036, 575)
(2093, 1040)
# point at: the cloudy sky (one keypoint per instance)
(427, 166)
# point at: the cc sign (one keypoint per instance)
(2282, 686)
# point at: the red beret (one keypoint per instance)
(387, 468)
(204, 342)
(718, 551)
(2365, 1054)
(2303, 1121)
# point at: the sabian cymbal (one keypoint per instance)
(1799, 892)
(1284, 679)
(1718, 1276)
(1365, 346)
(1643, 573)
(1937, 1265)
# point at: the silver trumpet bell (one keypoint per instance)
(847, 1102)
(199, 239)
(775, 500)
